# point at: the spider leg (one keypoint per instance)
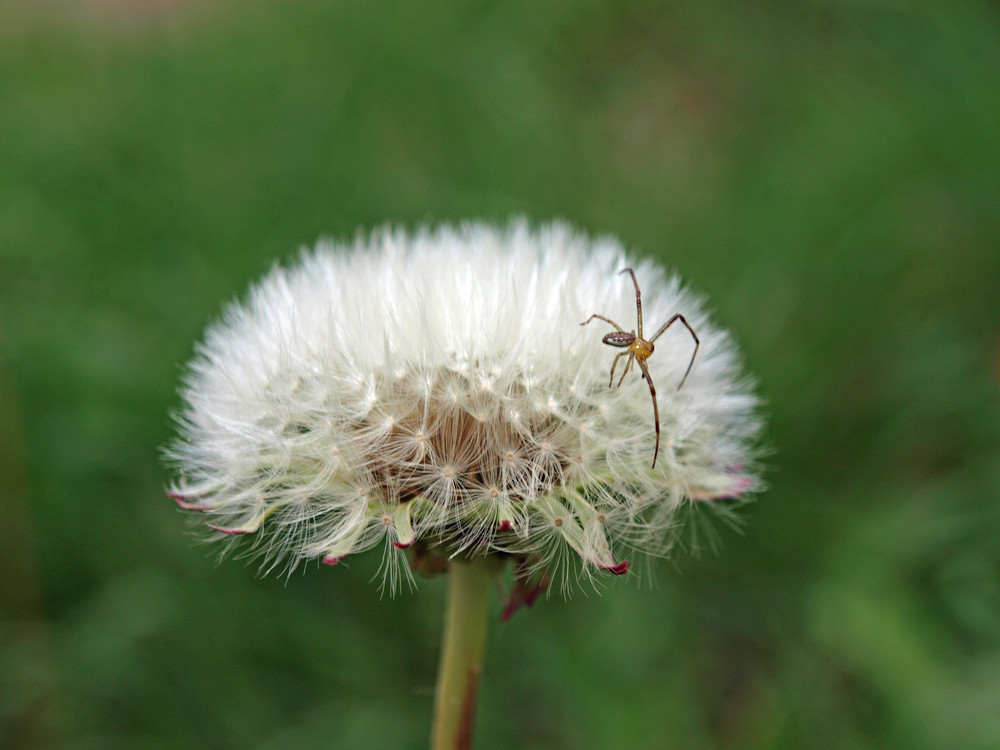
(656, 410)
(614, 365)
(606, 320)
(638, 300)
(628, 366)
(697, 343)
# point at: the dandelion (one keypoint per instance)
(435, 395)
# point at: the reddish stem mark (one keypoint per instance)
(180, 500)
(619, 570)
(233, 532)
(463, 737)
(522, 596)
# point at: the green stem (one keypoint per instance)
(461, 654)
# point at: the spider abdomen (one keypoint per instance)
(619, 338)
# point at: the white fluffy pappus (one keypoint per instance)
(436, 390)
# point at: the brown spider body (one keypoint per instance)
(639, 350)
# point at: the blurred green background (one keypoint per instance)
(827, 172)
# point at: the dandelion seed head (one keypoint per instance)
(437, 388)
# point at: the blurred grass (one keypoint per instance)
(827, 172)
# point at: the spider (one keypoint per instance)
(639, 349)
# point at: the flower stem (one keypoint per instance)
(461, 654)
